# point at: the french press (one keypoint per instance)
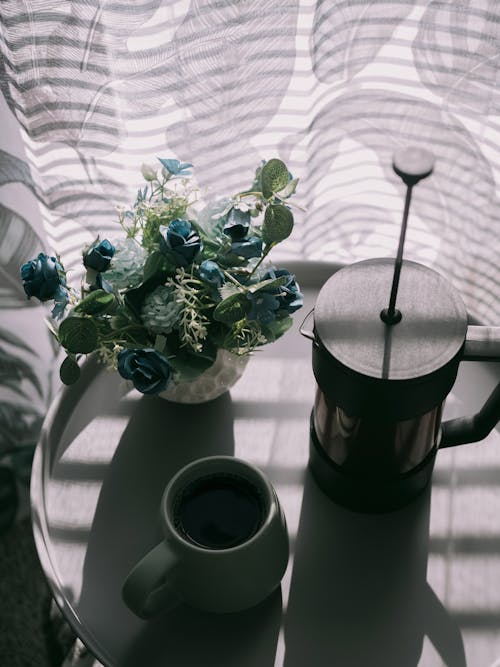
(383, 372)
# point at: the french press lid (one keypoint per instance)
(367, 366)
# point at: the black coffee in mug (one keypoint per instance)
(219, 511)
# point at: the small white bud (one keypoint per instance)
(148, 172)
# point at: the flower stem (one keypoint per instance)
(233, 280)
(264, 255)
(248, 193)
(289, 203)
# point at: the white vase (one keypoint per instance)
(222, 374)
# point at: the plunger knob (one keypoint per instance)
(412, 164)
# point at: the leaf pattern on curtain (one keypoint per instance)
(18, 243)
(54, 103)
(25, 388)
(15, 170)
(457, 53)
(348, 35)
(235, 61)
(25, 393)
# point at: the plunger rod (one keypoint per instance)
(411, 165)
(391, 315)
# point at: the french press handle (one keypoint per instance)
(481, 344)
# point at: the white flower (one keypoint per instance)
(148, 172)
(160, 312)
(126, 268)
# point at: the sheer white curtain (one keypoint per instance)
(93, 88)
(333, 87)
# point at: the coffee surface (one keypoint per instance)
(219, 511)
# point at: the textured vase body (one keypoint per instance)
(224, 372)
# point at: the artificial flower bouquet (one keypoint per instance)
(182, 281)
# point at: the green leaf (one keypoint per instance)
(270, 283)
(274, 177)
(96, 302)
(158, 267)
(69, 371)
(230, 259)
(275, 329)
(232, 309)
(78, 334)
(278, 224)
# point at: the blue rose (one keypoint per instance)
(42, 277)
(250, 247)
(289, 295)
(237, 224)
(98, 256)
(180, 241)
(45, 279)
(148, 369)
(263, 307)
(211, 273)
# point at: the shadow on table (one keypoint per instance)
(191, 638)
(161, 438)
(362, 580)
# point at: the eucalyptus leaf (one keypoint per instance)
(270, 284)
(274, 177)
(278, 224)
(78, 334)
(232, 309)
(230, 259)
(69, 371)
(275, 329)
(98, 301)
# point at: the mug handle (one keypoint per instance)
(150, 586)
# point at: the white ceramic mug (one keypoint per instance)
(225, 545)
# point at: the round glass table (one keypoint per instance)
(418, 586)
